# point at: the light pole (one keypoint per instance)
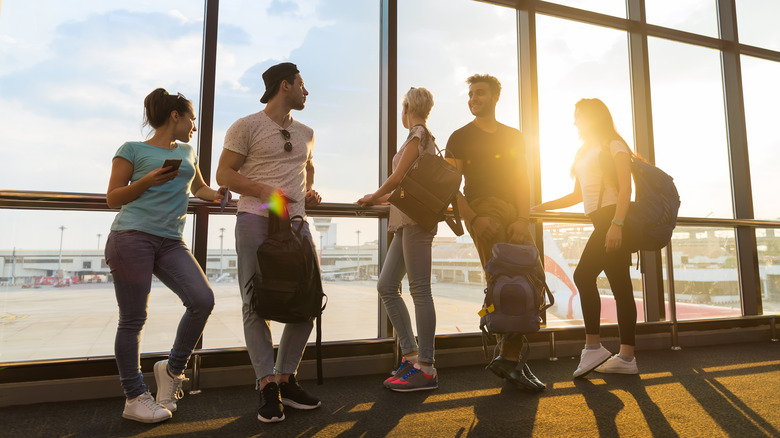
(98, 247)
(221, 234)
(59, 258)
(358, 253)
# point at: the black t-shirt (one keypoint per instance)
(494, 164)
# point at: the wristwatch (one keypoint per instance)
(618, 222)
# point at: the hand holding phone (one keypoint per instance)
(173, 163)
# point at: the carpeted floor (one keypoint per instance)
(731, 390)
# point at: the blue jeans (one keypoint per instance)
(251, 231)
(133, 257)
(410, 254)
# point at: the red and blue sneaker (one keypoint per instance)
(405, 367)
(415, 380)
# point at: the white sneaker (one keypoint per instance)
(168, 388)
(616, 365)
(144, 409)
(590, 359)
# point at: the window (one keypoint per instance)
(563, 246)
(689, 125)
(696, 16)
(760, 89)
(608, 7)
(335, 46)
(458, 39)
(577, 61)
(769, 269)
(757, 21)
(706, 282)
(77, 77)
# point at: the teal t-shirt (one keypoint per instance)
(160, 210)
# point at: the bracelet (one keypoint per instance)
(618, 222)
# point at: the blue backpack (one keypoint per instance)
(652, 216)
(515, 294)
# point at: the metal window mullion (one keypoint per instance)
(206, 123)
(639, 67)
(742, 193)
(387, 128)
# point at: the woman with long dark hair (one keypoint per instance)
(146, 239)
(602, 175)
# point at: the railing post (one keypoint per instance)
(195, 380)
(553, 356)
(672, 300)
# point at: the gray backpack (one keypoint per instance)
(515, 295)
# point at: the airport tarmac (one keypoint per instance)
(80, 320)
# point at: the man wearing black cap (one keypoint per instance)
(268, 155)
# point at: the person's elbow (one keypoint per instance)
(112, 201)
(222, 177)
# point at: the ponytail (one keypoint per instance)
(158, 106)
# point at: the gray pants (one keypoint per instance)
(410, 254)
(251, 231)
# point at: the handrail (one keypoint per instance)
(35, 200)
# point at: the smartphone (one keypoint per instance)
(225, 200)
(174, 163)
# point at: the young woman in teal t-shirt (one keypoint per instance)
(146, 240)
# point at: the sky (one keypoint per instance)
(73, 79)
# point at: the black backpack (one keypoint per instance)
(428, 189)
(652, 215)
(515, 295)
(289, 289)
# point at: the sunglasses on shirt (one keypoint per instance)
(287, 144)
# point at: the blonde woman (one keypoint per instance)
(409, 254)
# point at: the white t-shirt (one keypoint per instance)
(260, 140)
(588, 171)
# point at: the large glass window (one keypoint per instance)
(609, 7)
(56, 292)
(335, 46)
(757, 21)
(76, 76)
(563, 246)
(768, 241)
(761, 89)
(696, 16)
(689, 125)
(706, 281)
(348, 253)
(576, 61)
(457, 39)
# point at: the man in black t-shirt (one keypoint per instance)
(495, 200)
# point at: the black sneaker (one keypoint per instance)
(295, 397)
(271, 409)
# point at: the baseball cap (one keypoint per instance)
(274, 75)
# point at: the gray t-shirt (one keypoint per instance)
(426, 145)
(260, 140)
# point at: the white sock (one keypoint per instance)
(427, 369)
(593, 346)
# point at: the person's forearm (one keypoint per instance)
(242, 185)
(562, 202)
(127, 194)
